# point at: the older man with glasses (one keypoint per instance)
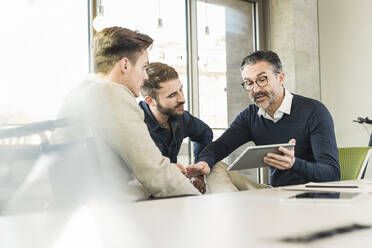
(277, 116)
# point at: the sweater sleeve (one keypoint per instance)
(236, 135)
(198, 131)
(118, 119)
(324, 147)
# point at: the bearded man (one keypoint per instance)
(166, 119)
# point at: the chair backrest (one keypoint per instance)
(74, 173)
(353, 162)
(32, 176)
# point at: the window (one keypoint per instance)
(167, 28)
(225, 37)
(44, 53)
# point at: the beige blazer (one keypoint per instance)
(131, 164)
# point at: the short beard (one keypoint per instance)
(272, 98)
(170, 111)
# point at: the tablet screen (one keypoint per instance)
(325, 195)
(253, 156)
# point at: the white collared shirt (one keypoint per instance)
(285, 107)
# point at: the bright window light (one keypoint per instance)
(44, 53)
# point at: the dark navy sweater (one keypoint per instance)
(169, 142)
(310, 123)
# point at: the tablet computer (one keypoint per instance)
(323, 197)
(252, 156)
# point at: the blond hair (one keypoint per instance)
(112, 44)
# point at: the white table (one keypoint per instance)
(242, 219)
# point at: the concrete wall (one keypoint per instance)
(294, 36)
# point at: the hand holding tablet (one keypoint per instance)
(253, 156)
(283, 161)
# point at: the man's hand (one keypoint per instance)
(200, 168)
(181, 167)
(199, 183)
(282, 162)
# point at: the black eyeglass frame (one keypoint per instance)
(260, 82)
(249, 88)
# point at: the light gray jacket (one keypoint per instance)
(132, 166)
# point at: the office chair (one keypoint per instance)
(353, 162)
(56, 175)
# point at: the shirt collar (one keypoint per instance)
(284, 108)
(151, 120)
(149, 117)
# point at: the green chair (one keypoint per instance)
(353, 162)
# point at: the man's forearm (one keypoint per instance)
(317, 172)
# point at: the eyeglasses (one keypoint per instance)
(261, 82)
